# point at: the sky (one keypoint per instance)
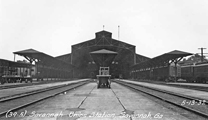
(155, 27)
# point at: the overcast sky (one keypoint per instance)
(153, 26)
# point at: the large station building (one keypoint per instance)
(102, 51)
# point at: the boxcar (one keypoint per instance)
(161, 73)
(195, 73)
(14, 71)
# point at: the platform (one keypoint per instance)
(18, 90)
(191, 84)
(11, 84)
(89, 103)
(194, 93)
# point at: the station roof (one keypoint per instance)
(161, 59)
(171, 55)
(31, 54)
(103, 38)
(66, 58)
(28, 51)
(103, 51)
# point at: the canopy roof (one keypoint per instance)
(103, 57)
(34, 54)
(163, 59)
(47, 60)
(27, 51)
(171, 56)
(103, 51)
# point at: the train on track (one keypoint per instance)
(12, 72)
(197, 73)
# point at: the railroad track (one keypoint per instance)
(26, 84)
(191, 104)
(14, 103)
(199, 88)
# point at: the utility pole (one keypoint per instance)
(202, 57)
(118, 32)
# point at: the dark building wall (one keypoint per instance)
(121, 64)
(140, 58)
(66, 58)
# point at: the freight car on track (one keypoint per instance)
(12, 72)
(195, 73)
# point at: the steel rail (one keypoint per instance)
(24, 94)
(164, 99)
(192, 87)
(3, 87)
(72, 86)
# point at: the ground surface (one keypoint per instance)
(90, 103)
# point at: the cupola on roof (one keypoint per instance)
(103, 34)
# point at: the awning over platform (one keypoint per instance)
(32, 55)
(164, 59)
(47, 60)
(171, 55)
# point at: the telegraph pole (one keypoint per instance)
(202, 56)
(118, 32)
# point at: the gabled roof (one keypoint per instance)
(103, 32)
(27, 51)
(175, 54)
(68, 54)
(44, 58)
(33, 54)
(171, 55)
(66, 58)
(103, 38)
(103, 51)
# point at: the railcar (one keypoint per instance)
(11, 72)
(160, 73)
(195, 73)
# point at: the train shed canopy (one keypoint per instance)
(162, 60)
(44, 59)
(32, 55)
(173, 55)
(104, 51)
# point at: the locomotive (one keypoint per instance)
(12, 72)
